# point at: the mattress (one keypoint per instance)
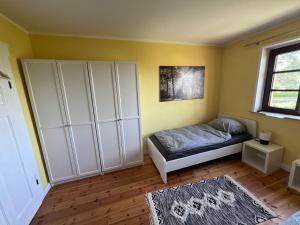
(176, 155)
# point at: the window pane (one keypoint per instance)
(288, 61)
(286, 80)
(284, 99)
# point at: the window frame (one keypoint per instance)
(269, 78)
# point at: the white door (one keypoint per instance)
(20, 187)
(80, 118)
(46, 99)
(3, 220)
(128, 98)
(103, 85)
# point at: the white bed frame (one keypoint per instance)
(164, 166)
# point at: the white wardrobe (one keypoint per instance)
(87, 115)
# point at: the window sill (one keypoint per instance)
(278, 115)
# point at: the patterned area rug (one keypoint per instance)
(216, 201)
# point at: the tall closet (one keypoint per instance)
(87, 115)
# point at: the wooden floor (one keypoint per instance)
(119, 197)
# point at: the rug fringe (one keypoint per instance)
(252, 195)
(153, 216)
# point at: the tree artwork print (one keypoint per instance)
(181, 82)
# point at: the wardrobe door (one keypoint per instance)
(128, 93)
(105, 105)
(46, 99)
(77, 98)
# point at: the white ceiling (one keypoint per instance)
(214, 22)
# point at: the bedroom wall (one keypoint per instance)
(239, 74)
(19, 46)
(155, 115)
(237, 69)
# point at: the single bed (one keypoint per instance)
(166, 161)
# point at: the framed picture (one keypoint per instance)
(181, 82)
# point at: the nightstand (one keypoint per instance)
(266, 158)
(294, 181)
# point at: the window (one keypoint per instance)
(282, 88)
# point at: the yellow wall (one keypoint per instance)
(155, 115)
(234, 95)
(239, 74)
(19, 46)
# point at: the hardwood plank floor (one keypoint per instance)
(119, 198)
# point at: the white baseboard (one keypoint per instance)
(46, 190)
(285, 167)
(42, 196)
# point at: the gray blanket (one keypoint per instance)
(181, 139)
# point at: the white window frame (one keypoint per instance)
(262, 74)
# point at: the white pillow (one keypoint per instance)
(228, 125)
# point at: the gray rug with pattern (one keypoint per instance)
(216, 201)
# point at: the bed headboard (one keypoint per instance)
(250, 124)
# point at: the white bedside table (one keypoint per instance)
(266, 158)
(294, 181)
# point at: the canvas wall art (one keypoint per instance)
(181, 82)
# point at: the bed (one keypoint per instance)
(166, 162)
